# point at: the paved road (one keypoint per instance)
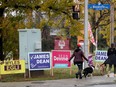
(96, 81)
(105, 85)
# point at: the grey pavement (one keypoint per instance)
(94, 81)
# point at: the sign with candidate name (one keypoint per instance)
(99, 6)
(60, 58)
(39, 60)
(12, 67)
(101, 56)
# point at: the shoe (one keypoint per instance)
(76, 76)
(80, 77)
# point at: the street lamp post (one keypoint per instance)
(86, 31)
(112, 23)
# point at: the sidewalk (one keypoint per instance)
(95, 80)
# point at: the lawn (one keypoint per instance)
(58, 73)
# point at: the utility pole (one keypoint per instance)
(86, 32)
(86, 44)
(112, 23)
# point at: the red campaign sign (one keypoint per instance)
(61, 45)
(60, 58)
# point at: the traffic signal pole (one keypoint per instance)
(86, 32)
(86, 42)
(112, 23)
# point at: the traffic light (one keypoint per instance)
(75, 15)
(76, 11)
(1, 46)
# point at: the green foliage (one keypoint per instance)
(101, 20)
(57, 15)
(47, 44)
(76, 28)
(10, 34)
(73, 42)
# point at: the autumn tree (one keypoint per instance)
(100, 20)
(47, 14)
(20, 14)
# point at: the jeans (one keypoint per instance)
(114, 69)
(80, 67)
(110, 67)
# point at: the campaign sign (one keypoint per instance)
(60, 58)
(39, 60)
(101, 56)
(90, 59)
(12, 67)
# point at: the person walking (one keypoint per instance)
(111, 53)
(78, 60)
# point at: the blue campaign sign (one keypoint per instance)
(99, 6)
(39, 60)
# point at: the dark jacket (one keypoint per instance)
(78, 56)
(111, 51)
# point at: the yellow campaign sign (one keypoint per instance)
(12, 67)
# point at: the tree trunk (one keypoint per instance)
(1, 35)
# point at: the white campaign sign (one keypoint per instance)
(100, 56)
